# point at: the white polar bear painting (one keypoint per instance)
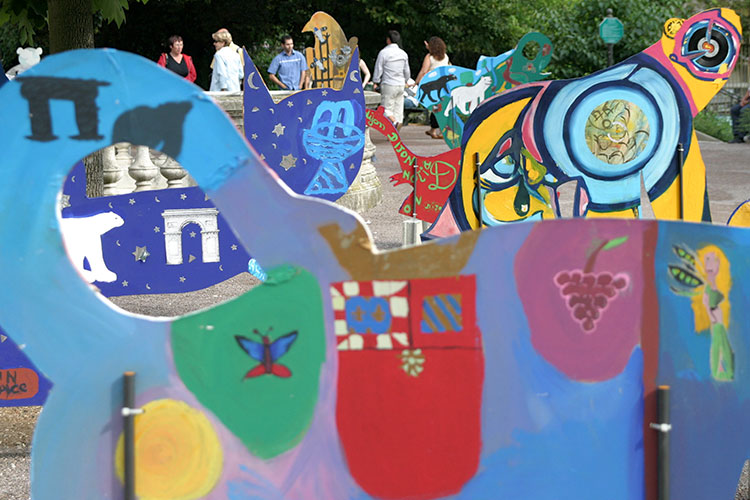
(467, 97)
(82, 237)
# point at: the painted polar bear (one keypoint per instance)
(83, 240)
(466, 98)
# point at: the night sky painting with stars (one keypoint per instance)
(136, 250)
(313, 139)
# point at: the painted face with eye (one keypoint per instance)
(704, 50)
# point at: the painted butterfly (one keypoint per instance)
(267, 353)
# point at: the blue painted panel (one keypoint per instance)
(313, 139)
(709, 404)
(135, 252)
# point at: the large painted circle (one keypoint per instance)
(617, 131)
(589, 108)
(615, 187)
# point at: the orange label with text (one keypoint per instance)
(18, 383)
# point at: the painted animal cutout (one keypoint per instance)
(466, 99)
(432, 177)
(603, 131)
(329, 58)
(83, 240)
(313, 139)
(506, 70)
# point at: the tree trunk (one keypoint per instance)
(71, 26)
(94, 164)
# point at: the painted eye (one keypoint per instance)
(715, 43)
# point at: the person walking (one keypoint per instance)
(390, 75)
(435, 58)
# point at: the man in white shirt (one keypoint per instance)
(390, 76)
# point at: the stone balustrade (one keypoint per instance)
(128, 168)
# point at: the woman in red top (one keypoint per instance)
(176, 61)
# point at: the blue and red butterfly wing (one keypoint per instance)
(252, 348)
(281, 345)
(281, 371)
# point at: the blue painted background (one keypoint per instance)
(710, 439)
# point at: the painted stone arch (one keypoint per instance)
(175, 220)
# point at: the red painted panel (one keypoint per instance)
(409, 416)
(405, 436)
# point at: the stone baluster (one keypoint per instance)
(173, 172)
(366, 191)
(111, 168)
(142, 170)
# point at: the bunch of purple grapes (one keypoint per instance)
(588, 294)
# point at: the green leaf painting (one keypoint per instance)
(616, 242)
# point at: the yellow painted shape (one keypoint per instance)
(702, 91)
(741, 218)
(482, 140)
(336, 41)
(178, 455)
(667, 206)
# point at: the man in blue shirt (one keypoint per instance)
(288, 69)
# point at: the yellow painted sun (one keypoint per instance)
(178, 455)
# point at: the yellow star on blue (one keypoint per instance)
(288, 161)
(278, 130)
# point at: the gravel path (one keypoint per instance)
(728, 182)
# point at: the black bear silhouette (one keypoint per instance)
(158, 128)
(436, 85)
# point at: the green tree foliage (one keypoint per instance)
(29, 16)
(469, 28)
(574, 30)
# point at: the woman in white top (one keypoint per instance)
(435, 58)
(227, 64)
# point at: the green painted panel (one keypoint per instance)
(268, 406)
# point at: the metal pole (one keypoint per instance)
(610, 46)
(477, 165)
(680, 163)
(662, 411)
(128, 402)
(663, 427)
